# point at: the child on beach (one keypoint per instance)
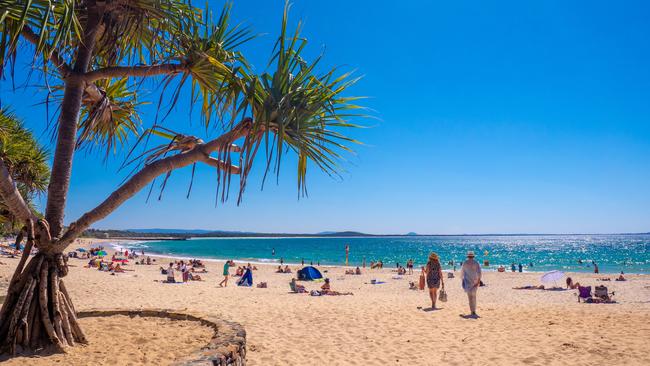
(422, 279)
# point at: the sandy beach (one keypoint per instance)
(378, 325)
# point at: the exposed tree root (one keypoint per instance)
(38, 311)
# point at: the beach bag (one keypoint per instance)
(443, 295)
(600, 291)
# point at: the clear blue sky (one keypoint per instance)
(495, 118)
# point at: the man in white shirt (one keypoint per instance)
(470, 272)
(170, 273)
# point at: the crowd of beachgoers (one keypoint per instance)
(431, 275)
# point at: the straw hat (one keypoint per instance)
(433, 257)
(470, 254)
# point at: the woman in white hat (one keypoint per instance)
(470, 272)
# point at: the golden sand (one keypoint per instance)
(380, 324)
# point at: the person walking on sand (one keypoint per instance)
(226, 273)
(433, 271)
(423, 278)
(470, 272)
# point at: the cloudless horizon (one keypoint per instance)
(514, 117)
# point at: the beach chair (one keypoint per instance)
(584, 293)
(603, 293)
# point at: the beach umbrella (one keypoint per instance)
(552, 276)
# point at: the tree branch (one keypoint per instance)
(12, 197)
(220, 164)
(92, 93)
(55, 58)
(133, 71)
(149, 172)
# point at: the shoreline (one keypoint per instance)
(492, 268)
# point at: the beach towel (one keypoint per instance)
(246, 279)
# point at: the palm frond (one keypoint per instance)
(25, 159)
(301, 110)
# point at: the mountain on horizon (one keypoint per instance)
(179, 231)
(204, 232)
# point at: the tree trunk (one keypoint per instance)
(37, 311)
(66, 142)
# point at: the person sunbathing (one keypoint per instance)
(529, 287)
(296, 287)
(326, 289)
(279, 270)
(349, 271)
(571, 285)
(287, 269)
(194, 277)
(621, 277)
(118, 269)
(357, 271)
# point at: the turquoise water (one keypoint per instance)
(612, 253)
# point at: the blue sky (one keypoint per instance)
(493, 118)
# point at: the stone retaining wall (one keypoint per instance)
(226, 348)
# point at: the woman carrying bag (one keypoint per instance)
(433, 271)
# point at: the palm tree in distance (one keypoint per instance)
(26, 163)
(95, 56)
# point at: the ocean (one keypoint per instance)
(612, 253)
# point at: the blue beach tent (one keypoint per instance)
(309, 274)
(246, 279)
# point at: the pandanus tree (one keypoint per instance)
(26, 163)
(94, 56)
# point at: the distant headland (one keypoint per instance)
(176, 234)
